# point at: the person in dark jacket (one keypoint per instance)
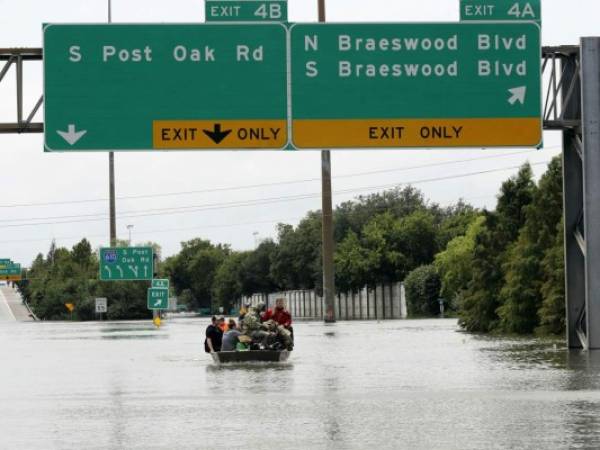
(214, 336)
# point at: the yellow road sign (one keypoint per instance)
(70, 306)
(349, 133)
(10, 277)
(226, 134)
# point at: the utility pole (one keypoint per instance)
(129, 228)
(111, 177)
(327, 217)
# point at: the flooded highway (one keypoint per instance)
(413, 384)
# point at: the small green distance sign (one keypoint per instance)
(126, 263)
(246, 10)
(158, 298)
(519, 10)
(160, 283)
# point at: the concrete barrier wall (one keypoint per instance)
(386, 301)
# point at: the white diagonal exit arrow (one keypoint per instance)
(518, 95)
(71, 136)
(158, 302)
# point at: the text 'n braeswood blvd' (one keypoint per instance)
(228, 86)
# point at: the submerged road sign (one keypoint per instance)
(416, 85)
(246, 10)
(141, 87)
(126, 263)
(158, 298)
(501, 10)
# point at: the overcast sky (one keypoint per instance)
(29, 176)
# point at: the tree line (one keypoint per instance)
(499, 270)
(71, 276)
(380, 238)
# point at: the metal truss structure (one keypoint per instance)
(17, 57)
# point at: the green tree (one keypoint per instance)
(296, 261)
(256, 270)
(478, 306)
(455, 220)
(455, 264)
(227, 286)
(552, 312)
(422, 291)
(352, 271)
(355, 215)
(194, 269)
(521, 295)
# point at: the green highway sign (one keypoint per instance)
(160, 283)
(468, 84)
(126, 263)
(163, 86)
(520, 10)
(246, 10)
(10, 271)
(158, 298)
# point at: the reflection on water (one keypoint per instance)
(390, 385)
(249, 367)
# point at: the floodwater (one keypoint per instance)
(352, 385)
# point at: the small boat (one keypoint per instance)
(251, 356)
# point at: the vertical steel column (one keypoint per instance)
(590, 94)
(573, 206)
(327, 212)
(19, 91)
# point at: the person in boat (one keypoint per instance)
(279, 314)
(222, 324)
(231, 337)
(279, 320)
(243, 311)
(253, 327)
(214, 336)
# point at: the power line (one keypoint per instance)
(256, 202)
(228, 225)
(262, 185)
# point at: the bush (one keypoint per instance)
(422, 287)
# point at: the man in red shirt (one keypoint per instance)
(283, 319)
(279, 314)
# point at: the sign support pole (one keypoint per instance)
(112, 207)
(111, 176)
(327, 218)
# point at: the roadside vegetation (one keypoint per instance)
(498, 271)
